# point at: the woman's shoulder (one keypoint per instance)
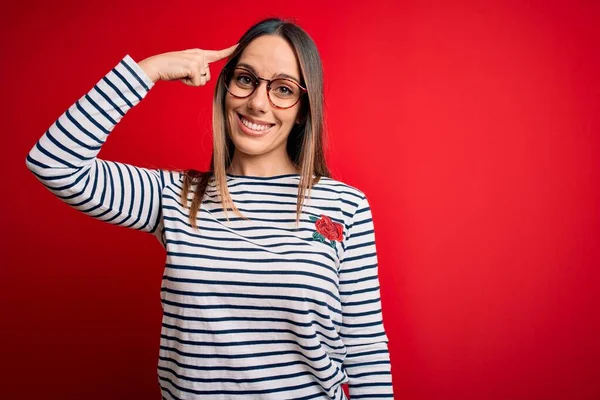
(170, 177)
(344, 189)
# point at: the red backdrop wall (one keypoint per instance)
(473, 127)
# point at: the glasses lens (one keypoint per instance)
(242, 83)
(284, 93)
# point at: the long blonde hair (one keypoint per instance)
(305, 145)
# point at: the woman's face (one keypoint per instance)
(268, 57)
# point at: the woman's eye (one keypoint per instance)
(245, 79)
(284, 90)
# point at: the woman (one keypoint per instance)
(280, 301)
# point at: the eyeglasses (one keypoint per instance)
(282, 92)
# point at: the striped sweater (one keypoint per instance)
(252, 309)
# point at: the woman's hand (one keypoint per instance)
(189, 66)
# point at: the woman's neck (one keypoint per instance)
(258, 168)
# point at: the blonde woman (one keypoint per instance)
(270, 289)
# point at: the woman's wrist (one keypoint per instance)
(150, 72)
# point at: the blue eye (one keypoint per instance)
(245, 80)
(282, 89)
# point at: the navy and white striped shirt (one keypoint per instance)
(252, 309)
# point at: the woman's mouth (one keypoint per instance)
(252, 128)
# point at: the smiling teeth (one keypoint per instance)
(253, 126)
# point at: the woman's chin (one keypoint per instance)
(249, 146)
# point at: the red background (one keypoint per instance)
(473, 128)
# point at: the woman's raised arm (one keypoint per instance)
(65, 159)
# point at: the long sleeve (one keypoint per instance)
(65, 158)
(367, 362)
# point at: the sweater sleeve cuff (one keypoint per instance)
(138, 71)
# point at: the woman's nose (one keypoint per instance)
(259, 100)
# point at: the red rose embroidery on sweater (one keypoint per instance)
(327, 229)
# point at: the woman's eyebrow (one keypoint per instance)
(280, 75)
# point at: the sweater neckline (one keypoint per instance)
(262, 178)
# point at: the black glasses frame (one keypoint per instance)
(226, 77)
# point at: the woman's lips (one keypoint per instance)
(249, 131)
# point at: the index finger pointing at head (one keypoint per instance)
(216, 55)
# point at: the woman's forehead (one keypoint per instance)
(270, 56)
